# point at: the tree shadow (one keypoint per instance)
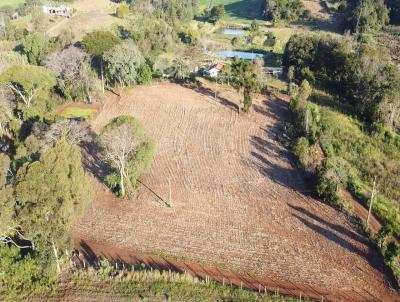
(221, 100)
(92, 159)
(270, 149)
(246, 9)
(338, 228)
(372, 255)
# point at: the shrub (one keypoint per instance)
(122, 11)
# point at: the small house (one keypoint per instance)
(57, 10)
(214, 71)
(276, 72)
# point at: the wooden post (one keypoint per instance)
(373, 193)
(170, 193)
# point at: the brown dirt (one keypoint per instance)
(236, 199)
(90, 14)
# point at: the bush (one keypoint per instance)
(144, 74)
(302, 151)
(122, 11)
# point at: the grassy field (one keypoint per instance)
(77, 111)
(150, 286)
(237, 11)
(10, 2)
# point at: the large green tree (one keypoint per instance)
(370, 15)
(97, 43)
(35, 47)
(27, 81)
(50, 195)
(126, 147)
(123, 63)
(244, 78)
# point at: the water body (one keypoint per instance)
(244, 55)
(233, 32)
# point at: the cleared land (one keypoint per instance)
(234, 194)
(10, 2)
(90, 15)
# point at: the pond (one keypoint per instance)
(244, 55)
(232, 32)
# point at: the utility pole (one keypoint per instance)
(373, 193)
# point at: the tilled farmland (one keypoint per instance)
(223, 191)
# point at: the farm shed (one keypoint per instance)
(56, 10)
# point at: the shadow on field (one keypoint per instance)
(211, 93)
(269, 150)
(341, 236)
(246, 9)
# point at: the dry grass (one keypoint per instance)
(235, 195)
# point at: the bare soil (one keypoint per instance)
(237, 201)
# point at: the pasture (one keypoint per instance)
(235, 199)
(237, 11)
(11, 2)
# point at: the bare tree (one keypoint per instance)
(74, 76)
(72, 131)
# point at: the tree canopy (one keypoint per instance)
(51, 191)
(123, 63)
(26, 81)
(98, 42)
(126, 147)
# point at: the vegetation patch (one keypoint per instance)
(78, 112)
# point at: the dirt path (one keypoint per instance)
(362, 212)
(236, 201)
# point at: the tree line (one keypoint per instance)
(360, 75)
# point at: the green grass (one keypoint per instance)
(155, 285)
(237, 11)
(368, 154)
(77, 112)
(10, 2)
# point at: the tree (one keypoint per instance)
(6, 115)
(4, 169)
(97, 43)
(270, 40)
(122, 11)
(9, 58)
(21, 274)
(370, 15)
(26, 81)
(51, 194)
(217, 13)
(127, 149)
(74, 77)
(254, 27)
(123, 64)
(284, 10)
(35, 47)
(244, 78)
(65, 38)
(144, 74)
(71, 131)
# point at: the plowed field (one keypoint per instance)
(236, 200)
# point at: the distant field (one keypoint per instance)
(237, 11)
(10, 2)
